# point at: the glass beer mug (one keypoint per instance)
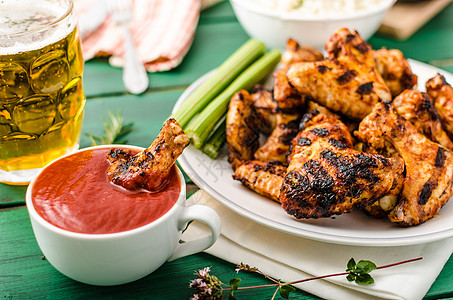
(41, 94)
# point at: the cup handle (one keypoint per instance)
(205, 215)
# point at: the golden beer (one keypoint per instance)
(41, 94)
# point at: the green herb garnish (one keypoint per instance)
(359, 272)
(208, 286)
(114, 130)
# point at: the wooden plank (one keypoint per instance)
(24, 275)
(218, 13)
(433, 42)
(405, 18)
(443, 286)
(11, 195)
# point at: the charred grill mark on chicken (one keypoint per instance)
(323, 69)
(347, 76)
(365, 88)
(337, 144)
(303, 141)
(324, 179)
(426, 191)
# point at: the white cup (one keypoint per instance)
(122, 257)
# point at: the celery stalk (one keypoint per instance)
(202, 126)
(222, 77)
(216, 140)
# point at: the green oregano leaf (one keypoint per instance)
(358, 272)
(364, 279)
(234, 283)
(231, 297)
(365, 267)
(351, 265)
(285, 290)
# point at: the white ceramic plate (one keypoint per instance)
(215, 177)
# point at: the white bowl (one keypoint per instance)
(120, 257)
(275, 27)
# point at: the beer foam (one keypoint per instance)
(25, 16)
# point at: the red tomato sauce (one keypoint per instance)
(75, 194)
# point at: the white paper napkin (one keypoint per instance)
(291, 258)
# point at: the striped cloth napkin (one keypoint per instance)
(162, 31)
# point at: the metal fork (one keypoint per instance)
(135, 77)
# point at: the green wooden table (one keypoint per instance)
(24, 275)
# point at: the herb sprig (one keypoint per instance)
(208, 286)
(114, 130)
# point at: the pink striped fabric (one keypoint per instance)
(162, 30)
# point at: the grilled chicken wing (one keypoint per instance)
(295, 53)
(265, 178)
(264, 108)
(387, 203)
(441, 93)
(312, 105)
(429, 166)
(277, 145)
(150, 168)
(346, 83)
(347, 46)
(417, 108)
(381, 208)
(395, 70)
(351, 124)
(241, 135)
(288, 97)
(326, 176)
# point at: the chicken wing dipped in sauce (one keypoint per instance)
(428, 166)
(442, 94)
(326, 176)
(150, 168)
(348, 82)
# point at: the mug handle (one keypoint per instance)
(205, 215)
